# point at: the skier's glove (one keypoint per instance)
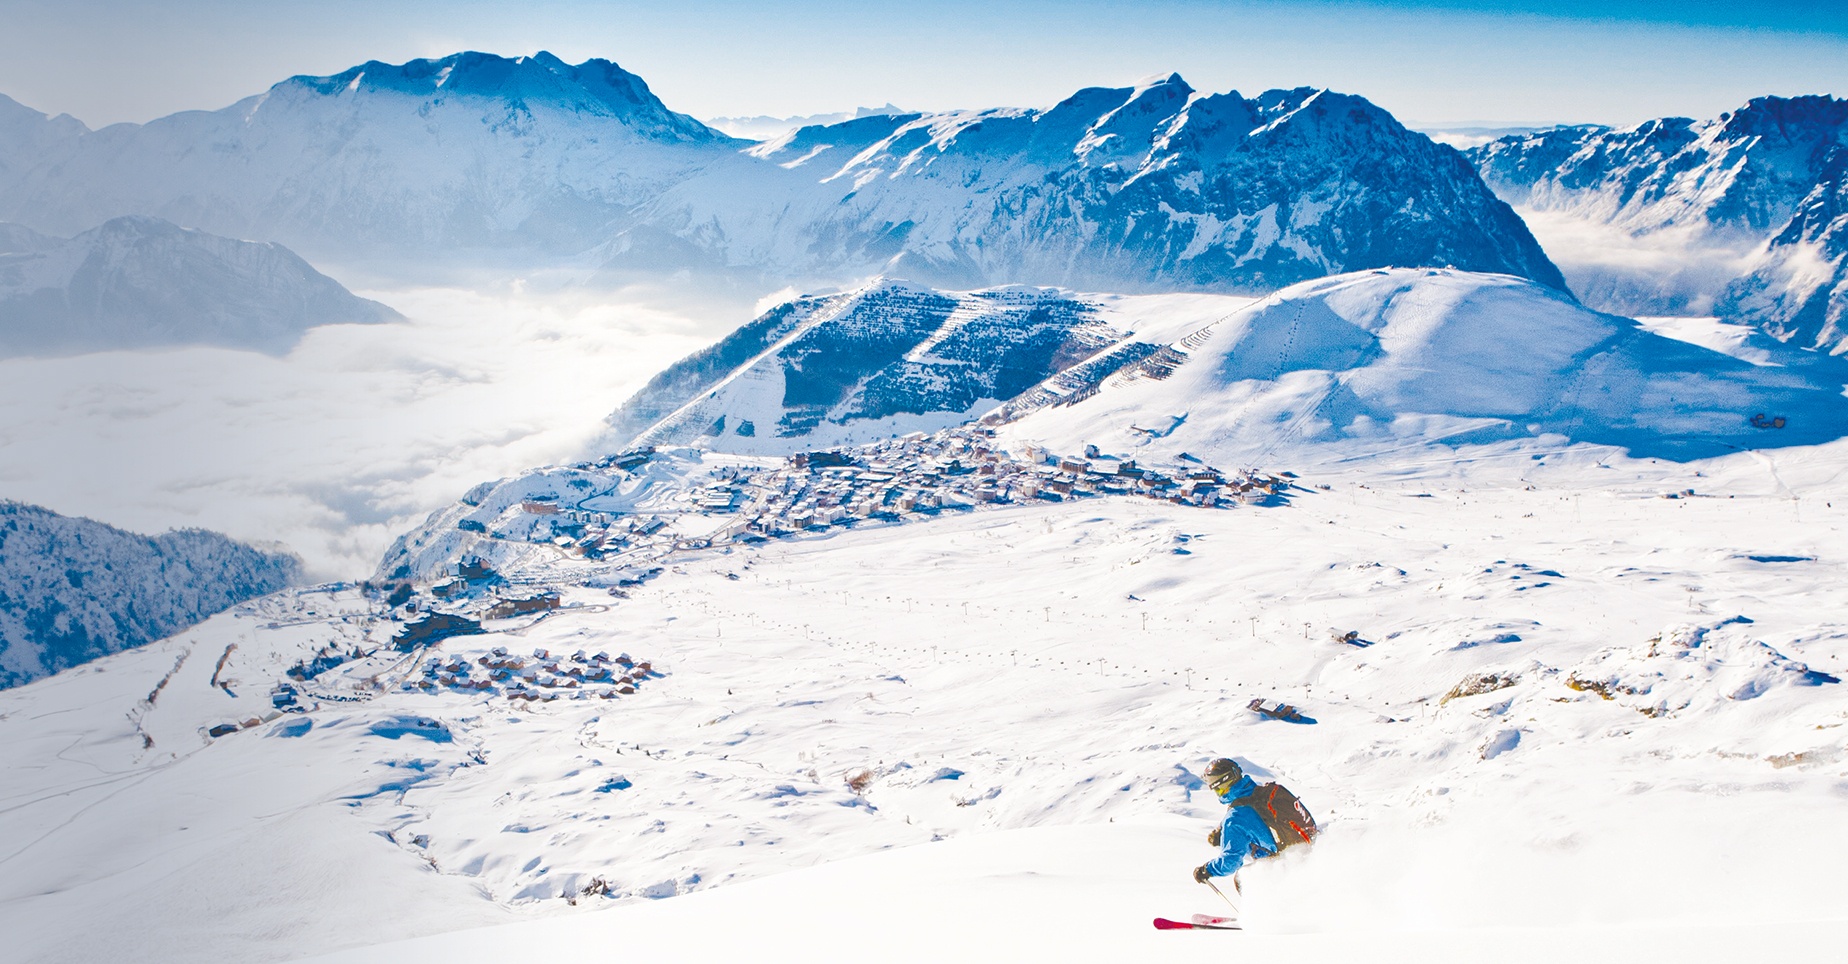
(1212, 837)
(1201, 875)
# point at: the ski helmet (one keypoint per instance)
(1222, 773)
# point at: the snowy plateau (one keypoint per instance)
(1058, 452)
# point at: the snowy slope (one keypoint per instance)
(1377, 361)
(884, 359)
(1660, 217)
(136, 282)
(1153, 187)
(1553, 720)
(76, 590)
(469, 150)
(1797, 289)
(29, 138)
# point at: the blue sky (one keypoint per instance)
(1429, 61)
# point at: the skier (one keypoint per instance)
(1259, 821)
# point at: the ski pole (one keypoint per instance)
(1222, 896)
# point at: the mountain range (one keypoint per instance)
(1761, 185)
(1152, 187)
(138, 281)
(1148, 188)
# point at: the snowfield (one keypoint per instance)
(1545, 695)
(1038, 686)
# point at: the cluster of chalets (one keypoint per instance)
(540, 678)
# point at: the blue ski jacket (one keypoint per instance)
(1242, 835)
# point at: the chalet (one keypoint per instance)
(474, 570)
(628, 461)
(508, 608)
(433, 628)
(819, 460)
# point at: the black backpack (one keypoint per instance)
(1289, 821)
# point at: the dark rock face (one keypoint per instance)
(73, 590)
(136, 282)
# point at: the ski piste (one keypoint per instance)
(1164, 924)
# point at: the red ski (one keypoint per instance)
(1164, 924)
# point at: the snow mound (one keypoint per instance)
(1691, 667)
(1373, 361)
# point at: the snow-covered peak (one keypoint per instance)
(1741, 173)
(596, 87)
(1147, 187)
(1144, 188)
(28, 137)
(14, 116)
(885, 358)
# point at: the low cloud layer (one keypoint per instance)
(334, 448)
